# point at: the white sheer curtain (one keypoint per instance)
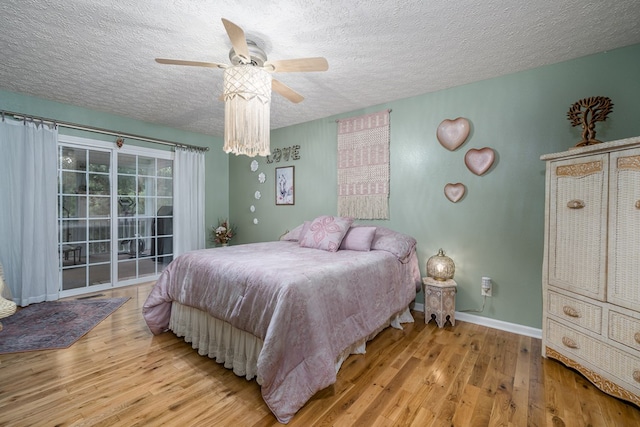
(28, 230)
(188, 201)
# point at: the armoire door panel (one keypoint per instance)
(624, 239)
(578, 225)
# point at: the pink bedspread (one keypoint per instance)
(307, 305)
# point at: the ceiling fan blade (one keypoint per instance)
(296, 65)
(238, 40)
(286, 91)
(190, 63)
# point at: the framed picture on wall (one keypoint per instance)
(285, 185)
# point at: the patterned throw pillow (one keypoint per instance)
(326, 232)
(358, 239)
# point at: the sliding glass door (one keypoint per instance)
(115, 215)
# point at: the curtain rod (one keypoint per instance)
(76, 126)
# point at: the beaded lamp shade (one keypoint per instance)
(440, 267)
(247, 97)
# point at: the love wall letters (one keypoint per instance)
(284, 154)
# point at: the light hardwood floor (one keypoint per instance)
(467, 375)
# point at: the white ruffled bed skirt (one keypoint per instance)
(239, 350)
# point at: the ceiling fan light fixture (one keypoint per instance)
(247, 110)
(247, 87)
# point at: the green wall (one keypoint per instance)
(496, 230)
(216, 161)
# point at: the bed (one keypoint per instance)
(285, 312)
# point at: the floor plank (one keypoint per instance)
(464, 375)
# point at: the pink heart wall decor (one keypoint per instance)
(453, 133)
(479, 161)
(454, 192)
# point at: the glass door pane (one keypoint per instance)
(84, 203)
(145, 215)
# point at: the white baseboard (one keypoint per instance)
(492, 323)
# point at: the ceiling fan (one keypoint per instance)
(246, 52)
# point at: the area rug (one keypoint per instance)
(55, 324)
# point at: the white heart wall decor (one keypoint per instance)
(479, 161)
(454, 192)
(453, 133)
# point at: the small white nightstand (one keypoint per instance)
(439, 299)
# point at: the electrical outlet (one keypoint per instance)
(486, 287)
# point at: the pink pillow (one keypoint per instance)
(401, 245)
(326, 233)
(358, 239)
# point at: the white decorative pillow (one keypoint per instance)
(358, 239)
(326, 232)
(294, 235)
(305, 228)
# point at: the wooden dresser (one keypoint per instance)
(591, 270)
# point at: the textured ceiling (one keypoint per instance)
(99, 54)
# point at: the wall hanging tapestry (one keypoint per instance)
(363, 166)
